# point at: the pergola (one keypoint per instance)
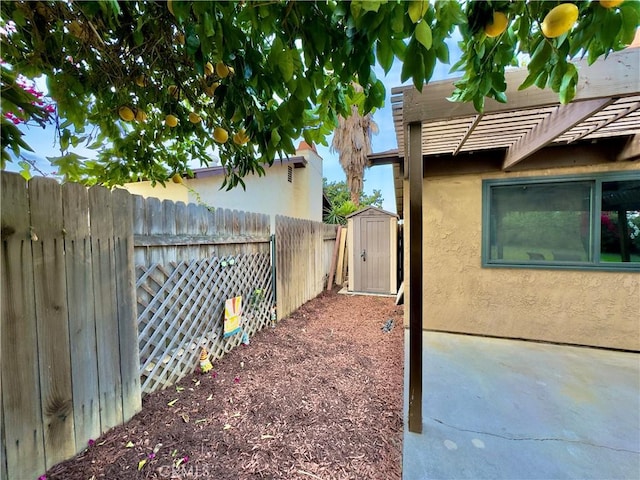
(434, 133)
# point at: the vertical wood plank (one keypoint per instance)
(181, 227)
(22, 416)
(154, 220)
(211, 230)
(45, 203)
(193, 227)
(101, 215)
(82, 324)
(139, 228)
(126, 301)
(170, 253)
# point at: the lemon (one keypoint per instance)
(211, 90)
(141, 116)
(222, 70)
(177, 178)
(174, 91)
(559, 20)
(610, 3)
(220, 135)
(240, 138)
(208, 69)
(141, 81)
(126, 113)
(194, 117)
(180, 38)
(171, 120)
(497, 25)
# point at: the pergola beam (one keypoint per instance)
(563, 119)
(617, 76)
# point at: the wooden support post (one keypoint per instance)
(414, 139)
(334, 259)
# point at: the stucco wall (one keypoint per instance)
(169, 191)
(579, 307)
(272, 193)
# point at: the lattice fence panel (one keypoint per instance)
(181, 309)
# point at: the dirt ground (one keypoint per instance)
(317, 397)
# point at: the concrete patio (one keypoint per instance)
(505, 409)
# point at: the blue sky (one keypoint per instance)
(380, 178)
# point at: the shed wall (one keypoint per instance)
(594, 308)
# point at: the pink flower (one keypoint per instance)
(151, 456)
(185, 459)
(236, 380)
(91, 442)
(42, 477)
(214, 374)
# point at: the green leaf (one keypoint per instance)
(207, 24)
(423, 35)
(429, 64)
(417, 9)
(568, 85)
(540, 56)
(275, 137)
(285, 65)
(384, 54)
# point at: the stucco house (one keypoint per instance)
(290, 187)
(521, 222)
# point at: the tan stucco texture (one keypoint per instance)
(594, 308)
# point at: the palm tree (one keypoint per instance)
(352, 141)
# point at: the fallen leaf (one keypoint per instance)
(129, 445)
(179, 389)
(185, 417)
(226, 426)
(237, 414)
(210, 397)
(172, 402)
(197, 383)
(201, 420)
(142, 463)
(265, 437)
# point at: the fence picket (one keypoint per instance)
(54, 357)
(303, 261)
(82, 324)
(109, 380)
(126, 304)
(22, 417)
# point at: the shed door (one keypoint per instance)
(371, 255)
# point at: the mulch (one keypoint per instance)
(317, 397)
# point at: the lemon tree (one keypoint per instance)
(151, 85)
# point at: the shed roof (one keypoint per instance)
(371, 209)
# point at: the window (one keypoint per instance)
(290, 174)
(572, 222)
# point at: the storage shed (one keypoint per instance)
(372, 244)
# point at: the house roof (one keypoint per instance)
(606, 105)
(296, 162)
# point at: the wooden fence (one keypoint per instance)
(303, 259)
(69, 370)
(189, 261)
(106, 295)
